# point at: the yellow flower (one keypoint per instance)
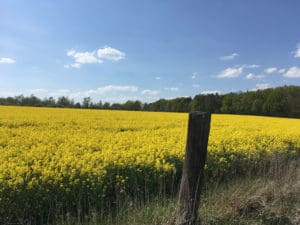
(45, 148)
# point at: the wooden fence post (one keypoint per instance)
(193, 168)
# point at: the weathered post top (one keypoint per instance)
(199, 113)
(193, 168)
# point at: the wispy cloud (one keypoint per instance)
(120, 98)
(271, 70)
(157, 78)
(231, 72)
(113, 91)
(229, 57)
(62, 92)
(39, 90)
(6, 60)
(114, 88)
(251, 76)
(150, 92)
(108, 53)
(172, 89)
(262, 86)
(297, 51)
(74, 65)
(210, 92)
(105, 92)
(110, 93)
(195, 85)
(98, 56)
(10, 93)
(281, 71)
(252, 66)
(293, 72)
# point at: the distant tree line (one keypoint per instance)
(280, 101)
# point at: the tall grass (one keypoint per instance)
(272, 198)
(268, 198)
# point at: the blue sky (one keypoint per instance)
(146, 50)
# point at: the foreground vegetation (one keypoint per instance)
(271, 198)
(58, 162)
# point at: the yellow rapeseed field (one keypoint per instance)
(59, 158)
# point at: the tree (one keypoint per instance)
(63, 101)
(106, 105)
(117, 106)
(280, 101)
(227, 104)
(49, 102)
(132, 105)
(99, 105)
(257, 106)
(87, 101)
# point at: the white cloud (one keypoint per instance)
(120, 99)
(81, 58)
(229, 57)
(64, 91)
(71, 52)
(250, 76)
(113, 93)
(293, 72)
(297, 52)
(262, 86)
(253, 76)
(252, 66)
(38, 91)
(271, 70)
(109, 53)
(231, 72)
(150, 92)
(5, 60)
(195, 85)
(125, 98)
(74, 65)
(281, 71)
(56, 93)
(111, 90)
(108, 89)
(106, 53)
(172, 89)
(116, 88)
(10, 93)
(210, 92)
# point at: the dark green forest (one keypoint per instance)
(281, 101)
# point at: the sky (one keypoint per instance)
(146, 50)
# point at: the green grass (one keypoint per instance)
(271, 199)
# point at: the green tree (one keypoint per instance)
(87, 102)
